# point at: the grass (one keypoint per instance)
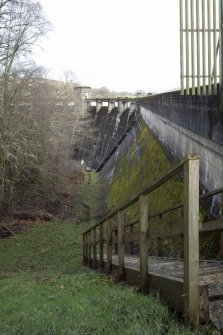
(45, 290)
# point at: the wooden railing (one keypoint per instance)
(81, 212)
(188, 227)
(67, 210)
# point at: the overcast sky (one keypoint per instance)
(123, 45)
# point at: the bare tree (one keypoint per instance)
(22, 23)
(70, 77)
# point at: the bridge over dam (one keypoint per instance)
(162, 227)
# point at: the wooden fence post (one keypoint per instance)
(94, 244)
(84, 248)
(132, 242)
(101, 245)
(87, 248)
(182, 236)
(121, 245)
(116, 244)
(109, 245)
(191, 241)
(62, 211)
(90, 249)
(159, 239)
(144, 238)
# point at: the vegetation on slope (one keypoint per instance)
(45, 289)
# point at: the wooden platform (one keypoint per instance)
(210, 272)
(210, 275)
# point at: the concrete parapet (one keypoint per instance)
(121, 103)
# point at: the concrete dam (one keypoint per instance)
(177, 124)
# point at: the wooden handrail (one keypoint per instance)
(177, 206)
(167, 210)
(156, 184)
(65, 203)
(188, 227)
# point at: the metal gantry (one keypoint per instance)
(200, 42)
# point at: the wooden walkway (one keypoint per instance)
(210, 272)
(210, 276)
(192, 287)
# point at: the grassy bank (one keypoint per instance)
(44, 289)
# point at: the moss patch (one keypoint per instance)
(141, 164)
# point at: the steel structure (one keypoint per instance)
(200, 42)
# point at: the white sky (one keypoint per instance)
(123, 45)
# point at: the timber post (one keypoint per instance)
(121, 245)
(144, 238)
(159, 239)
(94, 243)
(87, 239)
(109, 245)
(182, 236)
(84, 248)
(101, 245)
(90, 249)
(132, 242)
(191, 241)
(116, 244)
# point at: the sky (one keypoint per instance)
(121, 45)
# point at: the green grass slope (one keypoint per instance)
(45, 290)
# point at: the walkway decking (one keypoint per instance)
(210, 272)
(210, 275)
(192, 288)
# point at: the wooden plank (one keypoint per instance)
(171, 290)
(121, 245)
(172, 229)
(101, 245)
(94, 264)
(211, 226)
(168, 229)
(109, 245)
(144, 239)
(191, 241)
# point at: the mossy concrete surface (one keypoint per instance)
(142, 162)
